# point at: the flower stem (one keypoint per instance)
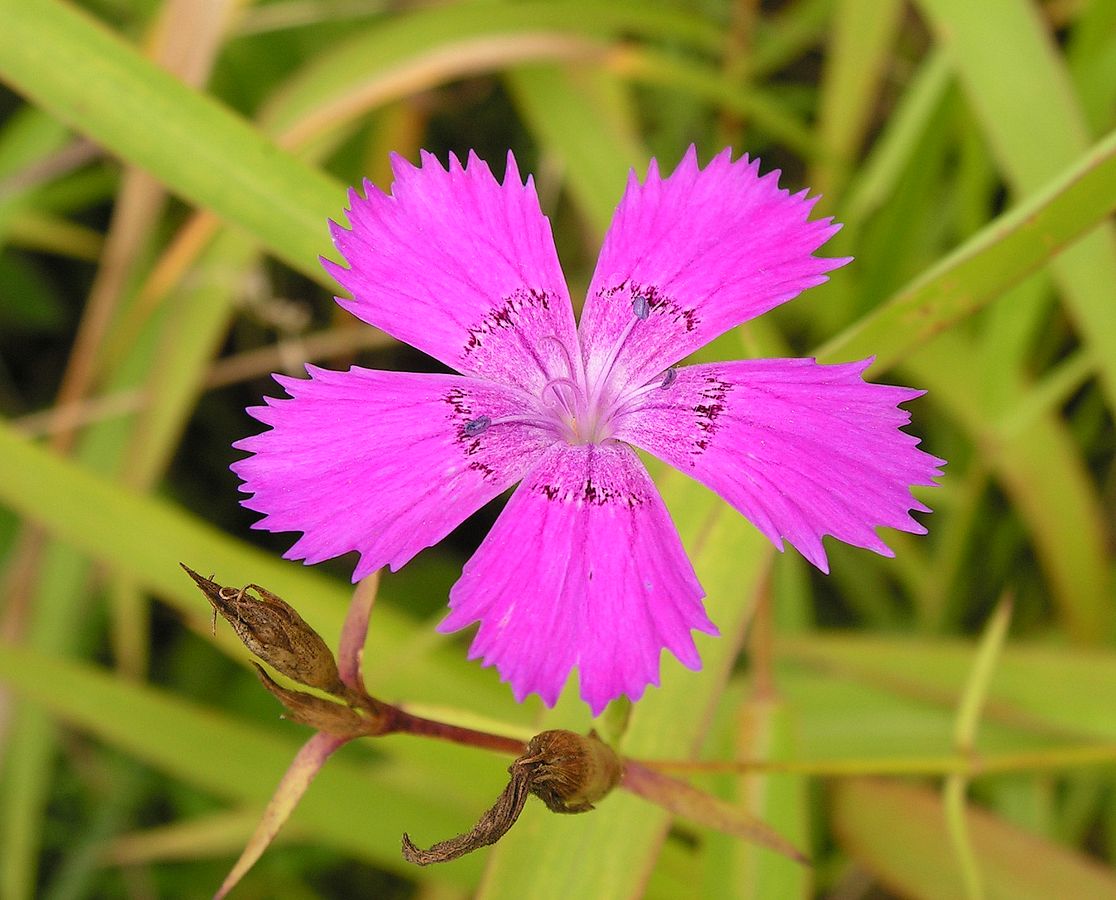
(403, 722)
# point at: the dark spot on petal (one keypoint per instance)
(713, 393)
(485, 470)
(506, 315)
(665, 306)
(459, 402)
(590, 493)
(669, 377)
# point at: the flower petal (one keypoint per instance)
(801, 449)
(461, 267)
(700, 251)
(583, 568)
(380, 462)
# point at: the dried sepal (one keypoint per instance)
(569, 772)
(689, 802)
(272, 630)
(493, 825)
(321, 714)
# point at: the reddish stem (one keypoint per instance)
(403, 722)
(355, 632)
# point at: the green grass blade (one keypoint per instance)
(243, 762)
(151, 536)
(965, 730)
(202, 151)
(1035, 687)
(876, 179)
(1007, 250)
(895, 832)
(1041, 468)
(1036, 128)
(432, 35)
(856, 63)
(584, 123)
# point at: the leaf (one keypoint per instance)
(1037, 130)
(686, 801)
(897, 832)
(191, 143)
(242, 762)
(303, 769)
(1013, 246)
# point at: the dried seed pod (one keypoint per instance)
(271, 629)
(569, 772)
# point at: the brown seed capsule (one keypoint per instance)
(569, 772)
(272, 630)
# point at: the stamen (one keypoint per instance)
(569, 404)
(477, 426)
(554, 339)
(619, 403)
(481, 424)
(568, 382)
(641, 306)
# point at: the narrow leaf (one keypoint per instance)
(292, 786)
(1016, 244)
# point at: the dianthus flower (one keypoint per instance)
(583, 568)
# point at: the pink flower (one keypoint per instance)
(584, 567)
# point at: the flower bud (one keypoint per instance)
(272, 630)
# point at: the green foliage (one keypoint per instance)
(970, 152)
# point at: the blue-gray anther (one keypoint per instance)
(476, 426)
(640, 306)
(669, 377)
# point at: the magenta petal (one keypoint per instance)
(380, 462)
(461, 267)
(706, 249)
(801, 449)
(584, 568)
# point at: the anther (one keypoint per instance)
(477, 426)
(640, 306)
(669, 377)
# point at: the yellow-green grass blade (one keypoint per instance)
(583, 118)
(430, 35)
(199, 149)
(1036, 128)
(1038, 688)
(860, 47)
(151, 536)
(1042, 469)
(1007, 250)
(242, 762)
(897, 833)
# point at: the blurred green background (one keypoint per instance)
(166, 172)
